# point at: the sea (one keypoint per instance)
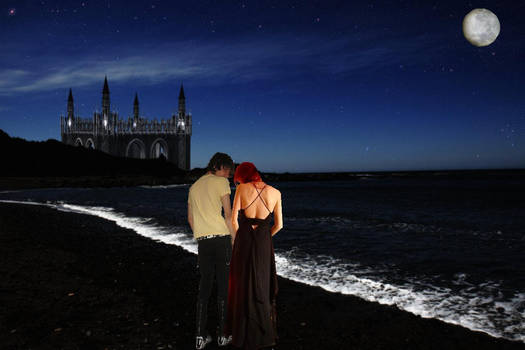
(447, 248)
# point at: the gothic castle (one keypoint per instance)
(135, 137)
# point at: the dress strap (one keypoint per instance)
(258, 196)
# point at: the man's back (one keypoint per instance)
(205, 201)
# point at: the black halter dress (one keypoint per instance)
(253, 284)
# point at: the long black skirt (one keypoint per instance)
(252, 289)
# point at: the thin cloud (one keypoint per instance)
(208, 64)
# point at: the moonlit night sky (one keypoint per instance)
(292, 86)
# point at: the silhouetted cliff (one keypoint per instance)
(22, 158)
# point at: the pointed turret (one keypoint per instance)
(106, 87)
(70, 106)
(136, 107)
(182, 102)
(105, 98)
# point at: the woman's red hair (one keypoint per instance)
(246, 172)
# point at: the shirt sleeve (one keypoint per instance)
(225, 187)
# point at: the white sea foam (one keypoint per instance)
(22, 202)
(465, 308)
(143, 226)
(473, 307)
(163, 187)
(168, 235)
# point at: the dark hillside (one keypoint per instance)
(22, 158)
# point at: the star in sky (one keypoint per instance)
(397, 79)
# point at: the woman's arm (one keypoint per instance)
(190, 216)
(235, 210)
(277, 216)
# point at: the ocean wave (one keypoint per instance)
(477, 307)
(473, 307)
(163, 187)
(339, 222)
(143, 226)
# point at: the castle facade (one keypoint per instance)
(134, 137)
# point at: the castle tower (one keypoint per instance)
(70, 108)
(182, 102)
(144, 138)
(105, 100)
(136, 108)
(181, 117)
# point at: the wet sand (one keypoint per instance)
(72, 281)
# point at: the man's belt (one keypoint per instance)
(201, 238)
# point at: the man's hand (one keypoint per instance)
(227, 213)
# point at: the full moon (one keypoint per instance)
(481, 27)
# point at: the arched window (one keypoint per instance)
(159, 148)
(90, 144)
(136, 149)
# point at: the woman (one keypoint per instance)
(253, 279)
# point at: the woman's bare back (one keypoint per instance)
(246, 197)
(255, 207)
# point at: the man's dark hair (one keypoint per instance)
(220, 160)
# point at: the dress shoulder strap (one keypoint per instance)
(258, 196)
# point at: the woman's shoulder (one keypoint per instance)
(251, 187)
(243, 186)
(273, 190)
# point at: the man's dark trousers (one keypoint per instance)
(214, 261)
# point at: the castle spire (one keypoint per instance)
(182, 102)
(181, 93)
(136, 107)
(105, 98)
(106, 87)
(70, 105)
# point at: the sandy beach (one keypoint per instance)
(72, 281)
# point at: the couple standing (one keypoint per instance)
(246, 277)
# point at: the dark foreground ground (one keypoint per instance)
(70, 281)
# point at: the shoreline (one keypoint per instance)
(26, 183)
(78, 281)
(130, 180)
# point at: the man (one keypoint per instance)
(208, 196)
